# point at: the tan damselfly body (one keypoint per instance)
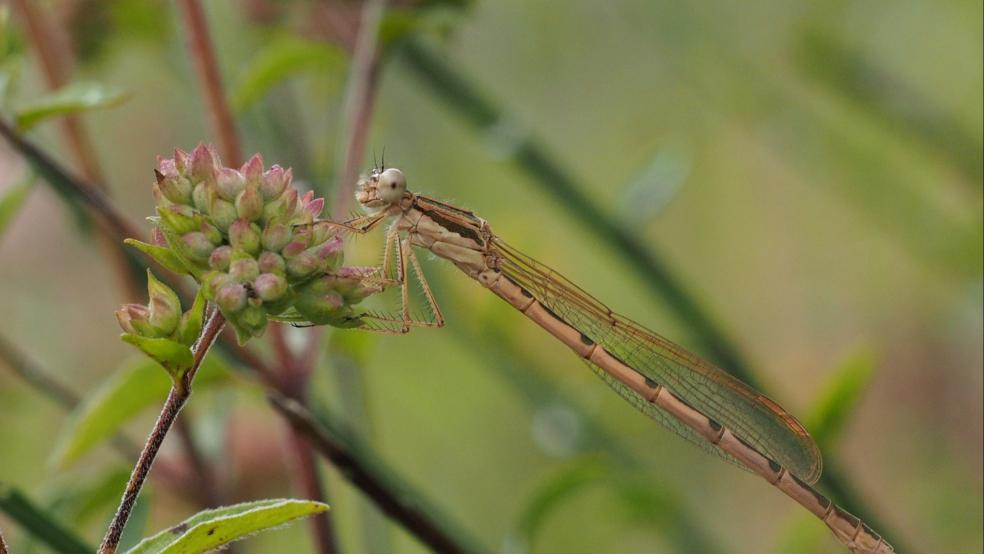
(669, 384)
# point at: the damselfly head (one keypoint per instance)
(381, 188)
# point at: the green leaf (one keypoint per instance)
(138, 384)
(174, 356)
(280, 59)
(214, 528)
(13, 199)
(161, 255)
(833, 407)
(73, 98)
(39, 523)
(554, 492)
(191, 321)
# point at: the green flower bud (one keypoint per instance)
(322, 231)
(281, 209)
(231, 298)
(164, 306)
(252, 170)
(174, 187)
(245, 236)
(197, 246)
(230, 183)
(328, 307)
(213, 281)
(220, 258)
(223, 213)
(182, 161)
(275, 237)
(350, 282)
(274, 181)
(133, 318)
(179, 219)
(270, 287)
(200, 197)
(204, 165)
(244, 270)
(249, 204)
(271, 262)
(252, 321)
(303, 264)
(210, 232)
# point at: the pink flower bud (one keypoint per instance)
(204, 164)
(275, 237)
(245, 236)
(231, 298)
(252, 170)
(303, 264)
(249, 204)
(223, 213)
(244, 270)
(129, 314)
(220, 258)
(174, 187)
(230, 183)
(321, 231)
(293, 249)
(270, 287)
(182, 161)
(271, 262)
(273, 183)
(164, 306)
(197, 245)
(314, 207)
(281, 209)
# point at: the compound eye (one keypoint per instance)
(391, 185)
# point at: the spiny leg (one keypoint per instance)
(428, 295)
(405, 259)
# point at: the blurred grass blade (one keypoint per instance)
(846, 72)
(73, 98)
(652, 190)
(550, 496)
(137, 385)
(13, 199)
(452, 88)
(80, 500)
(373, 476)
(835, 404)
(212, 529)
(280, 59)
(39, 523)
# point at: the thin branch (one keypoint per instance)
(203, 56)
(176, 399)
(36, 376)
(360, 96)
(55, 60)
(400, 507)
(309, 482)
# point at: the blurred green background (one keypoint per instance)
(810, 173)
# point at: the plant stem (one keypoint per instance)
(3, 544)
(203, 56)
(176, 399)
(403, 508)
(309, 482)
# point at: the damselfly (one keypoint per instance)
(669, 384)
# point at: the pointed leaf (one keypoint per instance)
(12, 199)
(40, 524)
(73, 98)
(174, 356)
(276, 62)
(161, 255)
(212, 529)
(842, 393)
(137, 385)
(191, 321)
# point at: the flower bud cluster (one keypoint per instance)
(253, 242)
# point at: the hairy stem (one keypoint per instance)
(176, 399)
